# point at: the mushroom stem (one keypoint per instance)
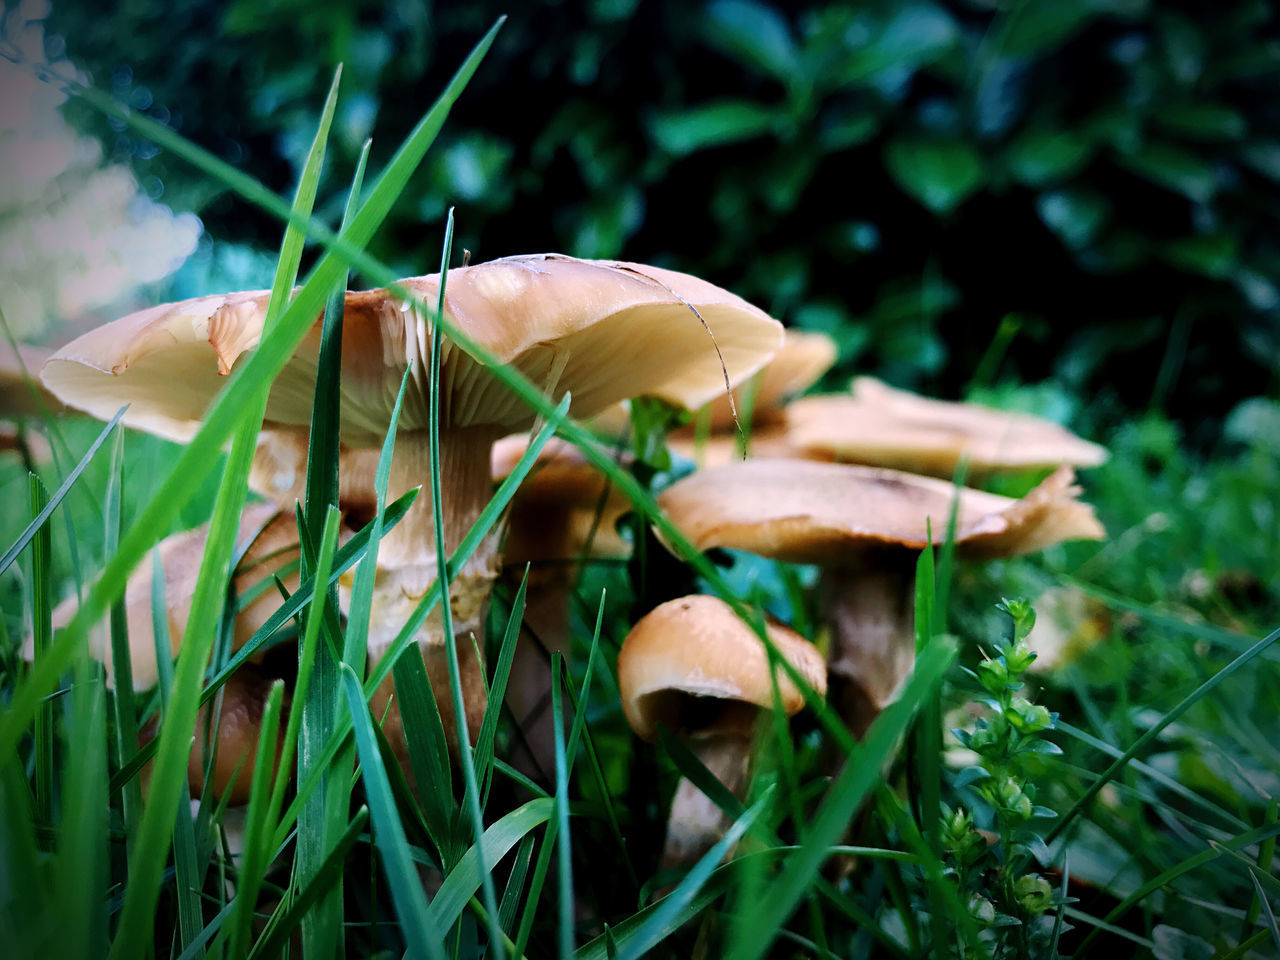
(407, 567)
(695, 823)
(546, 630)
(871, 611)
(244, 697)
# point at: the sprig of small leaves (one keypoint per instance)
(988, 844)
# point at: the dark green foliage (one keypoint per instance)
(904, 174)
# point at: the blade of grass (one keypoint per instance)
(277, 934)
(350, 553)
(1138, 745)
(465, 878)
(208, 599)
(125, 711)
(658, 924)
(498, 690)
(515, 884)
(860, 774)
(564, 851)
(326, 813)
(406, 892)
(80, 868)
(25, 894)
(471, 797)
(41, 580)
(1266, 904)
(254, 861)
(1265, 857)
(59, 495)
(250, 381)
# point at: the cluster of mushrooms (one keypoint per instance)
(823, 484)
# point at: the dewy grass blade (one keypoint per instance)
(58, 496)
(250, 381)
(1138, 745)
(410, 901)
(860, 774)
(207, 601)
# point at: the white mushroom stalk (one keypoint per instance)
(601, 331)
(865, 527)
(693, 666)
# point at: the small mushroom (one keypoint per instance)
(880, 426)
(693, 666)
(864, 527)
(566, 512)
(600, 330)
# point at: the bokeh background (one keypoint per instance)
(1077, 195)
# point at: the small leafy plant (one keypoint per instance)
(989, 846)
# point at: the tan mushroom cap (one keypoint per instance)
(600, 329)
(882, 426)
(809, 512)
(565, 509)
(274, 545)
(20, 381)
(697, 646)
(802, 359)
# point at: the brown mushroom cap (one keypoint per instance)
(601, 329)
(565, 508)
(881, 426)
(808, 512)
(698, 647)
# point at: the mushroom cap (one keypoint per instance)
(20, 381)
(697, 646)
(274, 545)
(831, 514)
(881, 426)
(802, 359)
(566, 509)
(600, 329)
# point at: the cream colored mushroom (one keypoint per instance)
(600, 330)
(865, 527)
(880, 426)
(693, 666)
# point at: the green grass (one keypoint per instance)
(1164, 792)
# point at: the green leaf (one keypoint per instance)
(1043, 155)
(941, 174)
(1174, 169)
(914, 36)
(754, 34)
(1035, 28)
(1075, 215)
(416, 921)
(1198, 120)
(715, 124)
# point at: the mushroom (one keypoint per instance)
(22, 398)
(804, 358)
(601, 330)
(693, 666)
(880, 426)
(865, 526)
(565, 512)
(272, 538)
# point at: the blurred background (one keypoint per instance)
(1077, 195)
